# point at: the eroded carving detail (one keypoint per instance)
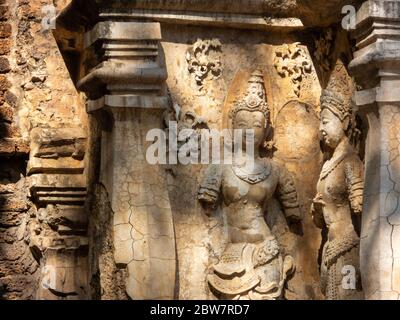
(292, 61)
(58, 226)
(252, 266)
(323, 50)
(204, 61)
(340, 190)
(188, 126)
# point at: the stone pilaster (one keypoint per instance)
(127, 81)
(58, 227)
(376, 67)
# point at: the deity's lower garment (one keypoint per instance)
(340, 270)
(254, 271)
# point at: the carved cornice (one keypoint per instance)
(56, 166)
(130, 72)
(250, 14)
(238, 13)
(376, 63)
(83, 15)
(214, 19)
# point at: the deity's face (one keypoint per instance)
(331, 128)
(251, 120)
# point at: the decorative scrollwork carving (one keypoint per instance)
(323, 50)
(292, 61)
(204, 60)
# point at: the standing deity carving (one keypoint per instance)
(252, 265)
(339, 199)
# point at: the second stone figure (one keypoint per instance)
(338, 203)
(252, 265)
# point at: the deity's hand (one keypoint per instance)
(293, 219)
(316, 211)
(207, 203)
(293, 215)
(208, 199)
(357, 204)
(209, 190)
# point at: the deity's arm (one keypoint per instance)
(210, 186)
(355, 182)
(288, 196)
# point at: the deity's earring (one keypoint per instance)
(269, 143)
(346, 124)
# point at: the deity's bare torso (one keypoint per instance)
(246, 202)
(339, 192)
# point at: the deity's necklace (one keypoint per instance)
(260, 172)
(330, 166)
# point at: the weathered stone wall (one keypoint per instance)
(200, 239)
(201, 96)
(18, 269)
(43, 220)
(36, 92)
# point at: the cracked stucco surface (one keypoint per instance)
(144, 241)
(380, 252)
(389, 203)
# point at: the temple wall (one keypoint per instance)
(64, 182)
(200, 238)
(36, 93)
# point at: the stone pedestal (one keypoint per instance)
(376, 66)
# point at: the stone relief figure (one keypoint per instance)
(339, 199)
(252, 265)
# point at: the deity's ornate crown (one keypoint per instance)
(336, 103)
(252, 101)
(337, 96)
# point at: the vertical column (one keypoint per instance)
(128, 83)
(376, 67)
(58, 229)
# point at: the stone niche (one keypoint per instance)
(195, 57)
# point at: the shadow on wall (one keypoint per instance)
(16, 264)
(14, 254)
